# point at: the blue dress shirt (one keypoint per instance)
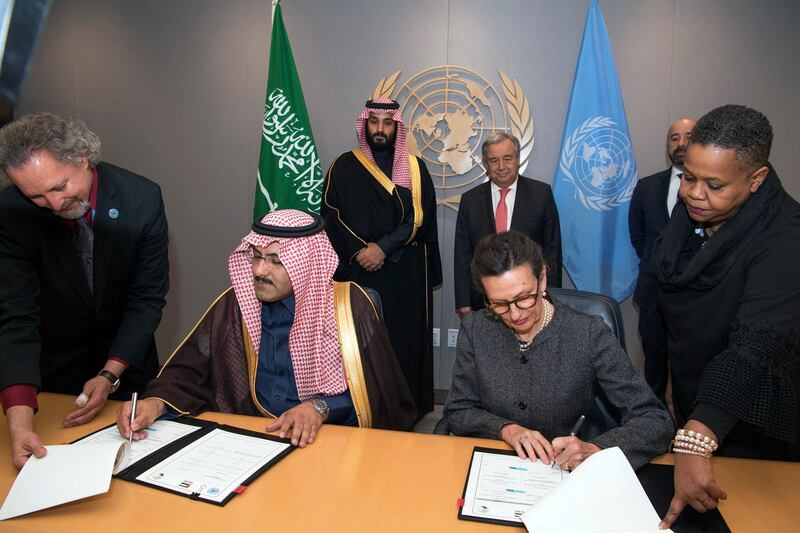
(276, 387)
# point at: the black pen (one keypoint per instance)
(575, 429)
(134, 398)
(577, 426)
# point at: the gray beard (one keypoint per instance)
(74, 212)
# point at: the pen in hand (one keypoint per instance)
(575, 429)
(134, 398)
(577, 426)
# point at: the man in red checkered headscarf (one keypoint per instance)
(287, 342)
(380, 209)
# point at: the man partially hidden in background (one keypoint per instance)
(652, 203)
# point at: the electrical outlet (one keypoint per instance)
(436, 337)
(452, 337)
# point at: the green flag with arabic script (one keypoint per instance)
(289, 175)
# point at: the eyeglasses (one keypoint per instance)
(523, 302)
(254, 257)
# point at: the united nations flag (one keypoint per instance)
(596, 172)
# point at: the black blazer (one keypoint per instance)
(535, 215)
(54, 332)
(647, 218)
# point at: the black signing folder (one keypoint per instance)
(657, 481)
(497, 507)
(198, 459)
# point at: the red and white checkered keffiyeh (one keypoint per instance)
(313, 339)
(401, 173)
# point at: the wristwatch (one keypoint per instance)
(113, 378)
(321, 407)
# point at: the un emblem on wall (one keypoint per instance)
(598, 160)
(449, 111)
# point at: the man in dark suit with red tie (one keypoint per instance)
(83, 275)
(506, 201)
(653, 200)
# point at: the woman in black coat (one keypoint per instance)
(729, 297)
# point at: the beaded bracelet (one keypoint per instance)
(699, 437)
(693, 443)
(690, 452)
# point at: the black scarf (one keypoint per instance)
(721, 251)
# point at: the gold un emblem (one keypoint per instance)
(449, 111)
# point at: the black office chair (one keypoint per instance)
(376, 300)
(605, 414)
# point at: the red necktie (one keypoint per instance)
(501, 214)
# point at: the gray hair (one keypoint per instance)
(67, 139)
(495, 138)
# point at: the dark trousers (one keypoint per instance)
(654, 345)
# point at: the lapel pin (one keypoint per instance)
(113, 213)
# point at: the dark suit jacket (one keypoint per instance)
(647, 218)
(535, 215)
(54, 332)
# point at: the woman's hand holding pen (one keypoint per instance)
(566, 452)
(572, 451)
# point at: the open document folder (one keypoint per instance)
(500, 486)
(67, 473)
(199, 459)
(603, 495)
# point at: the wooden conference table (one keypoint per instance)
(350, 480)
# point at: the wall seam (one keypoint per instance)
(672, 62)
(76, 66)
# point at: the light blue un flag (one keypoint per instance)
(596, 172)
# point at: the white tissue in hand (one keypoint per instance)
(81, 400)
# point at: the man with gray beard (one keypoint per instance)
(83, 275)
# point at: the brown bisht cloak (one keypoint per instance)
(214, 368)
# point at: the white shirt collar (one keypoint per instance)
(513, 186)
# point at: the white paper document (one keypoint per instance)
(214, 465)
(67, 473)
(159, 434)
(603, 495)
(503, 487)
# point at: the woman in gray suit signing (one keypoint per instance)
(527, 368)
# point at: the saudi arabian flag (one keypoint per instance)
(289, 175)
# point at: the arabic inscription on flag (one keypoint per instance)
(292, 146)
